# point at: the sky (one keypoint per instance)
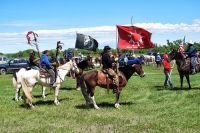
(59, 20)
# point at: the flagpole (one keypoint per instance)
(132, 25)
(117, 65)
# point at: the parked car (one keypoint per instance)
(131, 60)
(13, 65)
(3, 59)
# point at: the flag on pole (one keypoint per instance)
(181, 47)
(86, 42)
(132, 37)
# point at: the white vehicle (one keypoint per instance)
(3, 59)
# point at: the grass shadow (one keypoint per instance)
(69, 89)
(102, 105)
(161, 88)
(40, 96)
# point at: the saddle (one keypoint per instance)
(44, 73)
(196, 63)
(105, 79)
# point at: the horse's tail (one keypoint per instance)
(14, 79)
(83, 89)
(26, 89)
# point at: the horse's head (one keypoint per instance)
(139, 70)
(172, 55)
(90, 64)
(75, 67)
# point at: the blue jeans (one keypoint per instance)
(192, 62)
(35, 67)
(167, 78)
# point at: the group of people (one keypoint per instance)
(107, 61)
(43, 62)
(190, 53)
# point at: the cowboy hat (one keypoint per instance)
(190, 42)
(106, 47)
(32, 52)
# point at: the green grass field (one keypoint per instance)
(145, 107)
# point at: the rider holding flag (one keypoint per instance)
(107, 66)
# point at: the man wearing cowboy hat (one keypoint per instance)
(158, 60)
(107, 66)
(191, 52)
(33, 61)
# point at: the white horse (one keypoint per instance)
(149, 58)
(17, 83)
(32, 77)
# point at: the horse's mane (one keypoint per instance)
(66, 66)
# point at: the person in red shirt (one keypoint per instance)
(167, 69)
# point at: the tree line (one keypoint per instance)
(158, 48)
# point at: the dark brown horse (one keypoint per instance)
(183, 66)
(82, 65)
(98, 78)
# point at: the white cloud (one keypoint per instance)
(13, 42)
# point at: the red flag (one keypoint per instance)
(132, 37)
(181, 48)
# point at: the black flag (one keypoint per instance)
(86, 42)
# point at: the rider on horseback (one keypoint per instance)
(33, 61)
(191, 52)
(48, 66)
(107, 66)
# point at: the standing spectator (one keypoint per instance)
(125, 60)
(158, 61)
(167, 69)
(69, 55)
(80, 57)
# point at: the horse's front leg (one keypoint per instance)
(117, 105)
(93, 100)
(56, 102)
(43, 91)
(188, 81)
(78, 84)
(181, 78)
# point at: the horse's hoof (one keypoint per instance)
(78, 89)
(117, 105)
(96, 107)
(16, 100)
(56, 103)
(43, 96)
(20, 98)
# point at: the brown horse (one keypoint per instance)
(182, 65)
(98, 78)
(81, 66)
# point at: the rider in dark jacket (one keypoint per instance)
(107, 66)
(191, 52)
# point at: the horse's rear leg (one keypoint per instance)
(181, 78)
(92, 98)
(188, 81)
(17, 93)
